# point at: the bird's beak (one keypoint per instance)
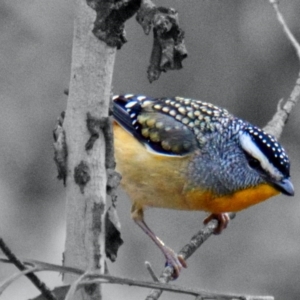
(285, 186)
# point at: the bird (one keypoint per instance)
(186, 154)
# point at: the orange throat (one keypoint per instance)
(230, 203)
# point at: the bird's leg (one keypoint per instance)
(172, 259)
(223, 220)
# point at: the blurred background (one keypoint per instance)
(239, 58)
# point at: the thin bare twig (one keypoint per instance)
(151, 272)
(32, 277)
(196, 241)
(276, 124)
(74, 286)
(7, 282)
(286, 29)
(95, 277)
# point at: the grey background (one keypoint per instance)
(239, 58)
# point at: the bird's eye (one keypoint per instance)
(254, 163)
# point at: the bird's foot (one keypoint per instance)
(175, 261)
(223, 220)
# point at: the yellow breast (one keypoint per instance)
(149, 179)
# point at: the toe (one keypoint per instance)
(175, 261)
(223, 220)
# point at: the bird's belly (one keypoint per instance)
(149, 179)
(161, 181)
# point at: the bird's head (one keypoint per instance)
(267, 157)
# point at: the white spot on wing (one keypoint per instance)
(128, 96)
(131, 104)
(140, 98)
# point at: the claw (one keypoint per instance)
(223, 220)
(175, 261)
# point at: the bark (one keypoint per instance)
(89, 93)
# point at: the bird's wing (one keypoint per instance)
(156, 129)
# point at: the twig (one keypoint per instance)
(276, 124)
(32, 277)
(200, 237)
(74, 286)
(6, 283)
(169, 288)
(286, 29)
(196, 241)
(94, 277)
(151, 272)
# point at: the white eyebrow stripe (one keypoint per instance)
(251, 148)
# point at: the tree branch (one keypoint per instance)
(286, 29)
(276, 124)
(196, 241)
(94, 277)
(46, 292)
(7, 282)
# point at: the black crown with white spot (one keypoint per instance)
(271, 149)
